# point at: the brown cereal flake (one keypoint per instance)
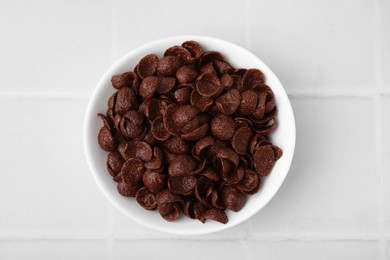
(168, 65)
(181, 165)
(183, 185)
(132, 171)
(229, 102)
(240, 140)
(233, 198)
(209, 85)
(146, 199)
(222, 127)
(147, 66)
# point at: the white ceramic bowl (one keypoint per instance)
(284, 137)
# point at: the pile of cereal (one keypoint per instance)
(189, 133)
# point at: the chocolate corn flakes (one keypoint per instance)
(188, 132)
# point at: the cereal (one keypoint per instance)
(233, 198)
(106, 140)
(248, 103)
(127, 79)
(176, 145)
(158, 130)
(125, 101)
(182, 93)
(128, 190)
(186, 74)
(240, 140)
(147, 66)
(233, 176)
(148, 87)
(229, 154)
(222, 67)
(202, 190)
(200, 146)
(132, 171)
(210, 173)
(168, 65)
(229, 102)
(182, 184)
(259, 111)
(216, 200)
(202, 103)
(195, 50)
(196, 134)
(227, 81)
(131, 124)
(178, 51)
(170, 212)
(181, 165)
(214, 214)
(207, 69)
(277, 151)
(188, 132)
(264, 159)
(165, 84)
(114, 163)
(199, 168)
(169, 204)
(209, 85)
(210, 56)
(156, 161)
(183, 115)
(155, 108)
(222, 127)
(139, 150)
(168, 120)
(249, 183)
(154, 181)
(166, 197)
(251, 78)
(146, 198)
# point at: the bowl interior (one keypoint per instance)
(284, 137)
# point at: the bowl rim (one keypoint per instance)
(89, 112)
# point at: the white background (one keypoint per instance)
(333, 58)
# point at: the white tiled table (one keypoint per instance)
(333, 58)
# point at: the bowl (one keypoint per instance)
(283, 136)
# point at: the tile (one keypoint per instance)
(124, 227)
(315, 45)
(53, 46)
(179, 249)
(46, 186)
(335, 250)
(386, 164)
(144, 21)
(330, 190)
(384, 35)
(387, 249)
(241, 249)
(52, 249)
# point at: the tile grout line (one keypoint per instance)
(379, 175)
(45, 96)
(377, 47)
(330, 94)
(139, 237)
